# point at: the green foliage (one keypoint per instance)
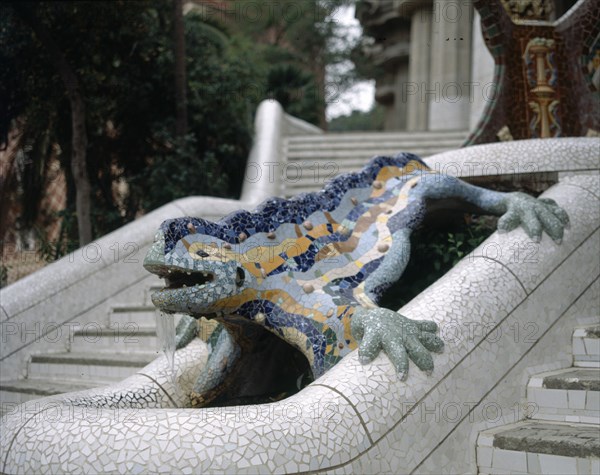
(4, 275)
(294, 44)
(185, 172)
(294, 89)
(433, 253)
(122, 53)
(358, 121)
(52, 250)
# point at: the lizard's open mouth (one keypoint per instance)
(178, 279)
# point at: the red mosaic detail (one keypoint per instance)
(576, 46)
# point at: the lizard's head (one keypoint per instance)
(202, 276)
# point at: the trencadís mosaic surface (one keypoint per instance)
(312, 269)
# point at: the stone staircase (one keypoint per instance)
(312, 160)
(562, 432)
(96, 355)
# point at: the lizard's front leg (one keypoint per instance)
(380, 328)
(534, 215)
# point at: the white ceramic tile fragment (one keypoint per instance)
(576, 399)
(556, 464)
(578, 346)
(509, 460)
(584, 466)
(533, 463)
(555, 398)
(484, 456)
(592, 346)
(592, 402)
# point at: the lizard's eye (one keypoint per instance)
(201, 253)
(240, 275)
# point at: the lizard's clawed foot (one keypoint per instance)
(535, 215)
(401, 338)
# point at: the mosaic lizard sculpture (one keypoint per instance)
(311, 269)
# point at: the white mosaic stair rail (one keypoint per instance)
(502, 318)
(586, 346)
(267, 158)
(13, 393)
(564, 157)
(308, 162)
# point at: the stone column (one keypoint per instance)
(400, 111)
(449, 88)
(419, 68)
(482, 74)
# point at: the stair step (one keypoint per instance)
(113, 359)
(130, 317)
(355, 148)
(313, 160)
(325, 166)
(306, 173)
(119, 339)
(46, 387)
(574, 378)
(362, 154)
(19, 391)
(374, 137)
(568, 395)
(539, 447)
(569, 440)
(586, 346)
(104, 367)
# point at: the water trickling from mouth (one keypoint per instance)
(165, 329)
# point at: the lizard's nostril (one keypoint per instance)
(240, 275)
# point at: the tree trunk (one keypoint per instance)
(79, 132)
(325, 93)
(180, 73)
(79, 167)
